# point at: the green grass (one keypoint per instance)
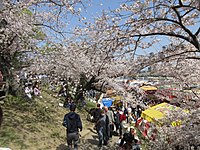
(90, 105)
(27, 124)
(20, 113)
(9, 135)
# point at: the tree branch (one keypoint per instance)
(180, 3)
(187, 12)
(167, 57)
(197, 58)
(48, 26)
(57, 31)
(166, 34)
(195, 41)
(197, 32)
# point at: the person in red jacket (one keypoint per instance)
(119, 118)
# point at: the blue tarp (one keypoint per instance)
(107, 102)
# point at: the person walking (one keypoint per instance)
(102, 127)
(117, 121)
(97, 113)
(110, 115)
(123, 124)
(73, 124)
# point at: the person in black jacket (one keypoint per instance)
(102, 129)
(73, 124)
(128, 141)
(97, 113)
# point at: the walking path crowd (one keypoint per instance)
(107, 123)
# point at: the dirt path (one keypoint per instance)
(89, 141)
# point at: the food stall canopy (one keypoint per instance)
(148, 88)
(110, 92)
(107, 102)
(117, 98)
(158, 113)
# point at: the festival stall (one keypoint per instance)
(110, 98)
(158, 116)
(118, 101)
(149, 89)
(107, 102)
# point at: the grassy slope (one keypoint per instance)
(34, 126)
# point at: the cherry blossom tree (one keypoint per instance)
(17, 37)
(89, 62)
(22, 32)
(172, 18)
(105, 48)
(143, 24)
(125, 32)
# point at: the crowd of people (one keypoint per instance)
(119, 122)
(108, 122)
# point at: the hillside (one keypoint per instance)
(35, 125)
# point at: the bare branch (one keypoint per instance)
(197, 32)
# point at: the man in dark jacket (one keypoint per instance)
(73, 124)
(97, 113)
(102, 129)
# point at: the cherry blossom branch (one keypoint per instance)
(52, 28)
(168, 34)
(165, 58)
(195, 41)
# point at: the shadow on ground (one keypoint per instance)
(92, 141)
(91, 130)
(89, 144)
(61, 147)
